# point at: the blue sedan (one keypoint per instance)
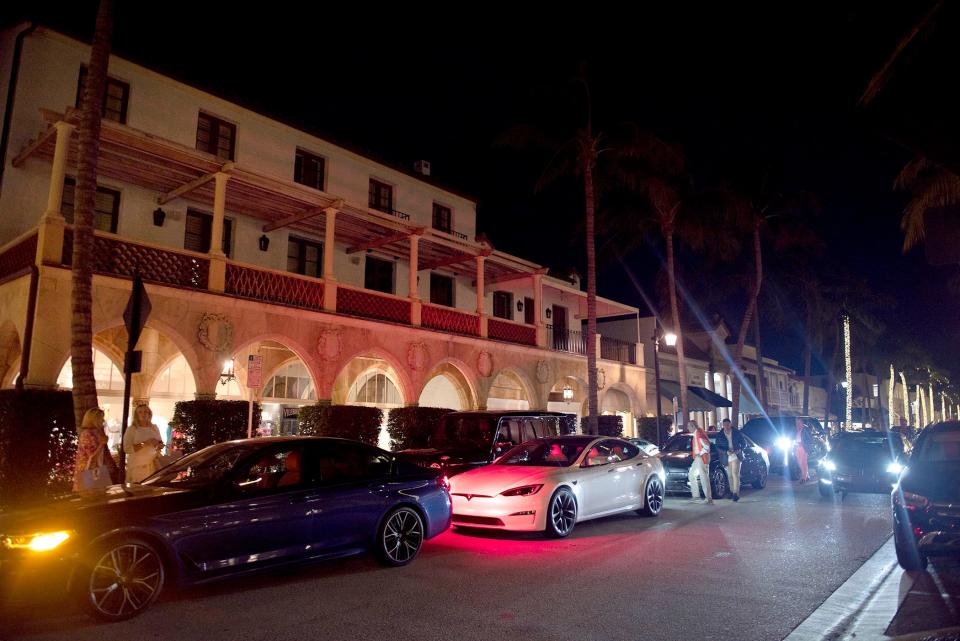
(229, 509)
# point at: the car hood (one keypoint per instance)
(939, 482)
(676, 460)
(867, 459)
(74, 509)
(491, 480)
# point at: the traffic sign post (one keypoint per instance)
(134, 318)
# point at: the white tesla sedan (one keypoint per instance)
(550, 484)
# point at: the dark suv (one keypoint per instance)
(778, 435)
(465, 440)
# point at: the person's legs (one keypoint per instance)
(692, 477)
(733, 475)
(802, 463)
(705, 480)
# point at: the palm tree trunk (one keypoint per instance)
(761, 377)
(81, 346)
(831, 379)
(592, 404)
(808, 361)
(745, 323)
(675, 311)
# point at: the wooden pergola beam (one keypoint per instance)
(303, 215)
(446, 262)
(29, 150)
(186, 188)
(386, 240)
(507, 278)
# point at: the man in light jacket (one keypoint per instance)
(701, 462)
(730, 446)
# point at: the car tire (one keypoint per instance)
(119, 579)
(399, 537)
(561, 514)
(652, 497)
(719, 485)
(908, 556)
(826, 491)
(761, 481)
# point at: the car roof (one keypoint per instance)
(949, 426)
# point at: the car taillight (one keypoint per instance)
(444, 482)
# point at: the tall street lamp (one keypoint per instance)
(671, 339)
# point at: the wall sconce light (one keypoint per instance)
(159, 216)
(549, 313)
(264, 243)
(227, 373)
(670, 339)
(519, 305)
(567, 393)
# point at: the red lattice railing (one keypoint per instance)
(271, 287)
(119, 258)
(512, 332)
(18, 257)
(371, 305)
(450, 320)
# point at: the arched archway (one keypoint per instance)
(10, 350)
(618, 401)
(372, 379)
(569, 395)
(447, 385)
(511, 390)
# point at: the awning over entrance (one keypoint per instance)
(695, 402)
(747, 404)
(714, 399)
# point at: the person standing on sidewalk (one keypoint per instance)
(802, 443)
(701, 462)
(730, 445)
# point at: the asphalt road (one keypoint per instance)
(750, 570)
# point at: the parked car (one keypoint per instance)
(778, 434)
(648, 448)
(926, 500)
(465, 440)
(551, 484)
(862, 461)
(229, 509)
(677, 457)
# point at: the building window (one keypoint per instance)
(304, 257)
(216, 136)
(503, 305)
(292, 381)
(197, 235)
(381, 196)
(441, 290)
(106, 209)
(528, 311)
(378, 275)
(309, 169)
(115, 97)
(442, 218)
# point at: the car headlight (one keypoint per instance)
(830, 466)
(910, 501)
(784, 443)
(894, 468)
(525, 490)
(39, 542)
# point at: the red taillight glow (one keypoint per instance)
(918, 532)
(444, 482)
(526, 490)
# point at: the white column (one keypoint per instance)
(219, 208)
(59, 169)
(328, 240)
(538, 310)
(412, 289)
(480, 275)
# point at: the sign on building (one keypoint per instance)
(254, 371)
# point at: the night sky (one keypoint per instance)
(735, 87)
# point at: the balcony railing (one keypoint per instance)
(613, 349)
(449, 320)
(18, 256)
(368, 304)
(509, 331)
(566, 340)
(274, 287)
(116, 257)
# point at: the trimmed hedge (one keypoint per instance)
(199, 424)
(411, 427)
(38, 445)
(343, 421)
(647, 427)
(568, 424)
(610, 425)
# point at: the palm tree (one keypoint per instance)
(931, 186)
(81, 346)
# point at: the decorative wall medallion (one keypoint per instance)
(328, 345)
(485, 364)
(216, 333)
(543, 371)
(417, 356)
(601, 378)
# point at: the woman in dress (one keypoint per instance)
(91, 441)
(142, 443)
(801, 445)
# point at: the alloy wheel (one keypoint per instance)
(402, 536)
(563, 513)
(653, 501)
(124, 580)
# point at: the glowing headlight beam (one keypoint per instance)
(42, 542)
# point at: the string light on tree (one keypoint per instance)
(906, 398)
(890, 398)
(848, 369)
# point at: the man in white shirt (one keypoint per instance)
(701, 462)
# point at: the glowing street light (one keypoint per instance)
(670, 339)
(227, 373)
(567, 393)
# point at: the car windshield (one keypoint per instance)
(865, 443)
(679, 443)
(939, 447)
(466, 430)
(555, 452)
(201, 468)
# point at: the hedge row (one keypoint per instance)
(38, 444)
(411, 427)
(343, 421)
(198, 424)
